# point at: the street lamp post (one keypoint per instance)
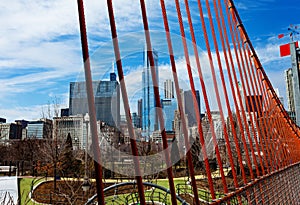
(186, 162)
(55, 164)
(86, 183)
(119, 151)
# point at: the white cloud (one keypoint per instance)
(41, 46)
(18, 113)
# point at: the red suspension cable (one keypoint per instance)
(201, 137)
(91, 103)
(126, 103)
(157, 102)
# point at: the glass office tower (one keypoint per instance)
(107, 100)
(150, 119)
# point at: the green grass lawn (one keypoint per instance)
(25, 188)
(27, 183)
(156, 195)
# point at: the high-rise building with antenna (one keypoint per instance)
(149, 116)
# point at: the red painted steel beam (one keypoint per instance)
(231, 74)
(258, 63)
(157, 102)
(240, 114)
(251, 106)
(180, 104)
(218, 100)
(126, 103)
(244, 83)
(225, 92)
(192, 85)
(91, 104)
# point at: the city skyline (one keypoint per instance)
(181, 106)
(42, 53)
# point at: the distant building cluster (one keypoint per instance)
(74, 121)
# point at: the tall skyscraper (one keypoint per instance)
(189, 107)
(169, 89)
(107, 100)
(150, 119)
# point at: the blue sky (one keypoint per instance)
(41, 51)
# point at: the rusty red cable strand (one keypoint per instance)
(244, 83)
(240, 99)
(231, 84)
(287, 147)
(270, 109)
(216, 91)
(180, 105)
(274, 141)
(126, 103)
(157, 102)
(284, 131)
(264, 118)
(237, 85)
(241, 69)
(281, 130)
(226, 94)
(261, 125)
(259, 65)
(222, 28)
(274, 119)
(255, 133)
(269, 115)
(284, 143)
(276, 138)
(223, 85)
(202, 140)
(226, 62)
(258, 103)
(91, 103)
(288, 120)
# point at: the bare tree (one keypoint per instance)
(52, 108)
